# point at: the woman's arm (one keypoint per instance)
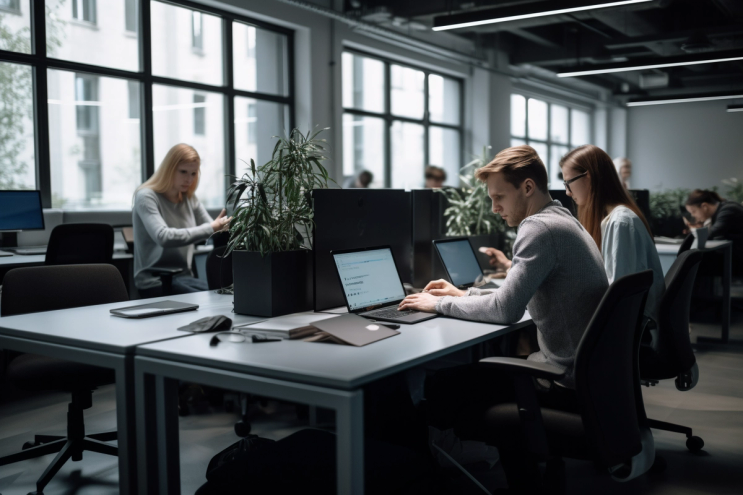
(146, 207)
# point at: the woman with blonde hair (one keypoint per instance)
(609, 214)
(168, 219)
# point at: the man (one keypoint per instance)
(361, 181)
(556, 273)
(435, 177)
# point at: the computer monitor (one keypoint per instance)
(21, 210)
(357, 218)
(459, 260)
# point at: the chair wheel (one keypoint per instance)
(242, 428)
(659, 465)
(694, 444)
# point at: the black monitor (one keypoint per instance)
(562, 196)
(352, 219)
(21, 210)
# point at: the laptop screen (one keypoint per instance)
(369, 278)
(460, 261)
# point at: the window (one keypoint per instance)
(93, 137)
(197, 31)
(398, 119)
(10, 6)
(199, 114)
(131, 15)
(551, 129)
(84, 10)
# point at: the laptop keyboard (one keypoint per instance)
(388, 313)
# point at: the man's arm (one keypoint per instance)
(725, 222)
(533, 260)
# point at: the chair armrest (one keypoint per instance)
(164, 271)
(518, 366)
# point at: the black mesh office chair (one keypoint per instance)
(79, 243)
(47, 288)
(166, 274)
(686, 245)
(670, 354)
(219, 269)
(609, 426)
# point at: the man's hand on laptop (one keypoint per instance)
(442, 288)
(422, 301)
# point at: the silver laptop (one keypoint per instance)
(460, 262)
(354, 330)
(372, 286)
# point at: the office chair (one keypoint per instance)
(670, 354)
(219, 268)
(47, 288)
(686, 245)
(80, 243)
(166, 274)
(609, 426)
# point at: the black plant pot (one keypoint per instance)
(273, 285)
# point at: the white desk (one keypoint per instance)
(91, 335)
(668, 254)
(319, 374)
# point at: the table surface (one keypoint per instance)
(38, 259)
(93, 327)
(674, 248)
(332, 365)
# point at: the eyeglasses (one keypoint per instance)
(436, 177)
(568, 182)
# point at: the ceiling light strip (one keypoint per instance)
(643, 67)
(681, 100)
(538, 14)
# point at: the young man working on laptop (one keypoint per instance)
(557, 274)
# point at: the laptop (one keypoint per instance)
(372, 286)
(460, 262)
(154, 309)
(354, 330)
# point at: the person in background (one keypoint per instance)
(624, 169)
(435, 177)
(609, 214)
(724, 218)
(168, 219)
(361, 181)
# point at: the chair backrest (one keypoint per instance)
(47, 288)
(606, 371)
(79, 243)
(686, 245)
(218, 269)
(673, 347)
(128, 234)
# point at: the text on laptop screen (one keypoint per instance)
(369, 278)
(20, 210)
(460, 261)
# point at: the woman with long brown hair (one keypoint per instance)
(609, 214)
(168, 220)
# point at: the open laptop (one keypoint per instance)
(372, 286)
(460, 262)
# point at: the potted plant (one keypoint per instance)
(470, 210)
(270, 232)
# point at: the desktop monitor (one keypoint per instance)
(20, 210)
(357, 218)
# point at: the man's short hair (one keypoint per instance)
(517, 164)
(434, 172)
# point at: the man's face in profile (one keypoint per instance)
(508, 201)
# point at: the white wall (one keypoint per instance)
(689, 145)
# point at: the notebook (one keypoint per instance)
(293, 326)
(354, 330)
(154, 309)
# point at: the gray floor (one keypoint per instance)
(713, 408)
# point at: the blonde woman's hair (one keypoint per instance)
(163, 178)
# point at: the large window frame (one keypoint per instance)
(389, 118)
(549, 143)
(40, 63)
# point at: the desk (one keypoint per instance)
(319, 374)
(668, 254)
(91, 335)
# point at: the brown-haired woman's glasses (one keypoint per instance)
(568, 182)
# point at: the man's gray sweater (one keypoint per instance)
(557, 275)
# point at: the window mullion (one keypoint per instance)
(426, 123)
(229, 103)
(146, 119)
(388, 129)
(41, 106)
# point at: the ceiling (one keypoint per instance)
(652, 31)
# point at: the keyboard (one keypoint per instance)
(388, 313)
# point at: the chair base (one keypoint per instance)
(693, 443)
(66, 448)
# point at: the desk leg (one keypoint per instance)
(727, 276)
(350, 445)
(126, 426)
(157, 434)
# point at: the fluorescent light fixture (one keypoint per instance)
(683, 100)
(608, 70)
(735, 108)
(507, 18)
